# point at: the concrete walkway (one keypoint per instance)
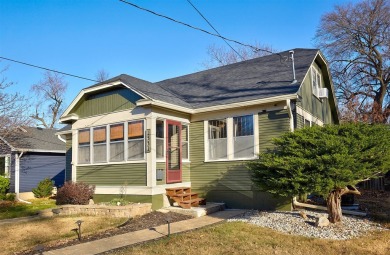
(123, 240)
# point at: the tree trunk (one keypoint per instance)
(334, 202)
(334, 206)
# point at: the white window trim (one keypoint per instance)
(108, 142)
(230, 140)
(318, 83)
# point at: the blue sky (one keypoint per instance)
(81, 37)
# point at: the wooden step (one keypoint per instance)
(186, 196)
(192, 203)
(178, 190)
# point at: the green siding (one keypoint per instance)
(156, 200)
(132, 174)
(185, 172)
(68, 156)
(272, 124)
(106, 102)
(319, 108)
(300, 121)
(230, 181)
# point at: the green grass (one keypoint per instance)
(16, 209)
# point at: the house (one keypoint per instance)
(133, 137)
(28, 155)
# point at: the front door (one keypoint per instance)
(173, 149)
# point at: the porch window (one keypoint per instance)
(136, 143)
(117, 152)
(84, 147)
(99, 145)
(243, 137)
(5, 163)
(184, 142)
(217, 134)
(160, 139)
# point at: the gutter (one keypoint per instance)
(317, 207)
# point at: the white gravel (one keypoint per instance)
(293, 223)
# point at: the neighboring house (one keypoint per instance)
(133, 137)
(28, 155)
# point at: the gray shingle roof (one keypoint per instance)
(149, 89)
(34, 139)
(257, 78)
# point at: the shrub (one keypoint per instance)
(4, 186)
(10, 197)
(44, 188)
(75, 193)
(119, 202)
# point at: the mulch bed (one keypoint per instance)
(146, 221)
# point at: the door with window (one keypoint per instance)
(174, 153)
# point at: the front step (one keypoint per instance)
(184, 197)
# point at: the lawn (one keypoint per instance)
(17, 237)
(17, 209)
(242, 238)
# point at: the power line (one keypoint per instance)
(214, 28)
(48, 69)
(197, 28)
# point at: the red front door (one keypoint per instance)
(173, 155)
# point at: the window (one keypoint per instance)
(243, 141)
(231, 138)
(99, 145)
(84, 147)
(117, 152)
(307, 123)
(184, 142)
(5, 166)
(217, 134)
(316, 80)
(136, 144)
(160, 139)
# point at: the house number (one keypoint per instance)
(148, 141)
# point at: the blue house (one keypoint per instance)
(28, 155)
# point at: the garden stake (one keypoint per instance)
(39, 248)
(169, 226)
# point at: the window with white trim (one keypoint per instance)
(5, 165)
(243, 137)
(136, 141)
(231, 138)
(99, 144)
(160, 148)
(217, 143)
(184, 142)
(315, 80)
(117, 145)
(84, 148)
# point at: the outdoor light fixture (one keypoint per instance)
(169, 225)
(78, 231)
(39, 248)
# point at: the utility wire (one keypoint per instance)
(48, 69)
(214, 28)
(197, 28)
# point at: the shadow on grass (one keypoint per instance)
(10, 209)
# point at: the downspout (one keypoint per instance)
(62, 139)
(290, 114)
(17, 177)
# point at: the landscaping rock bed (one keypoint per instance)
(294, 223)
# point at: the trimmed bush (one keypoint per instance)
(75, 193)
(10, 197)
(44, 188)
(4, 186)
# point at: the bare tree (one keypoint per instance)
(102, 75)
(356, 40)
(221, 55)
(13, 106)
(50, 93)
